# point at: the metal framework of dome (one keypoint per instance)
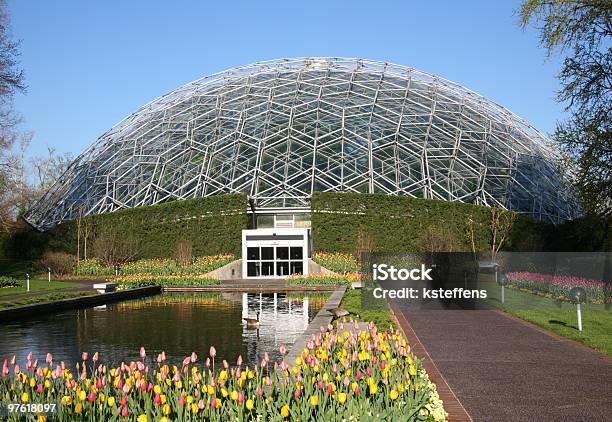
(282, 129)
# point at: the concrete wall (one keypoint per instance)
(230, 271)
(314, 268)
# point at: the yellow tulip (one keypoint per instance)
(249, 404)
(82, 395)
(285, 411)
(41, 418)
(314, 400)
(342, 398)
(210, 389)
(164, 419)
(66, 400)
(157, 389)
(194, 408)
(393, 395)
(373, 388)
(166, 409)
(25, 397)
(234, 395)
(78, 408)
(32, 382)
(142, 418)
(162, 397)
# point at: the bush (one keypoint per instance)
(114, 248)
(439, 239)
(9, 282)
(60, 263)
(183, 252)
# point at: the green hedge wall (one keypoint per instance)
(214, 225)
(397, 223)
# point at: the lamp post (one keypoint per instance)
(578, 296)
(502, 281)
(28, 281)
(49, 273)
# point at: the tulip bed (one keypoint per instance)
(337, 262)
(133, 281)
(323, 279)
(340, 375)
(201, 265)
(558, 286)
(9, 282)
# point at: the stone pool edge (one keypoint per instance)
(322, 319)
(77, 302)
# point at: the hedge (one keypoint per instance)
(214, 224)
(398, 223)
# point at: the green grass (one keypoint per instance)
(37, 286)
(44, 298)
(363, 303)
(558, 317)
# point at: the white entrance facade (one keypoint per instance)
(274, 252)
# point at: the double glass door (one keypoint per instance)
(274, 261)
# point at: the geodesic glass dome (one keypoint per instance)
(282, 129)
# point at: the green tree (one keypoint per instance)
(581, 31)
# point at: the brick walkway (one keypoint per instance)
(504, 369)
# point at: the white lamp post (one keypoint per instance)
(502, 281)
(578, 296)
(49, 272)
(28, 281)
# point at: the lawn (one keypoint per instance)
(558, 317)
(51, 297)
(363, 303)
(37, 286)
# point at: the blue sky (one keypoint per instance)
(89, 64)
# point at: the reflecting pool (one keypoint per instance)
(177, 323)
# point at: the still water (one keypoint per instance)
(177, 323)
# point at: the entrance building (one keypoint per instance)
(275, 252)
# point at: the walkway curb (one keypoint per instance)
(78, 302)
(452, 405)
(322, 319)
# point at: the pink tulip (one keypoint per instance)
(213, 403)
(320, 385)
(266, 357)
(84, 356)
(330, 389)
(225, 364)
(186, 361)
(30, 356)
(212, 351)
(39, 388)
(126, 388)
(49, 358)
(181, 401)
(157, 399)
(283, 350)
(368, 371)
(142, 352)
(201, 404)
(92, 397)
(259, 391)
(124, 412)
(297, 393)
(240, 397)
(13, 359)
(123, 400)
(194, 357)
(207, 362)
(17, 369)
(239, 361)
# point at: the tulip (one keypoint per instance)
(201, 404)
(212, 351)
(142, 352)
(95, 357)
(259, 391)
(123, 400)
(225, 364)
(297, 393)
(157, 399)
(92, 397)
(181, 401)
(84, 356)
(283, 350)
(124, 411)
(239, 360)
(193, 357)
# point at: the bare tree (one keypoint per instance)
(500, 225)
(114, 249)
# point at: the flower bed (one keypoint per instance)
(133, 281)
(9, 282)
(337, 262)
(201, 265)
(340, 375)
(558, 286)
(323, 279)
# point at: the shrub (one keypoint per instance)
(113, 248)
(60, 263)
(9, 282)
(183, 252)
(437, 238)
